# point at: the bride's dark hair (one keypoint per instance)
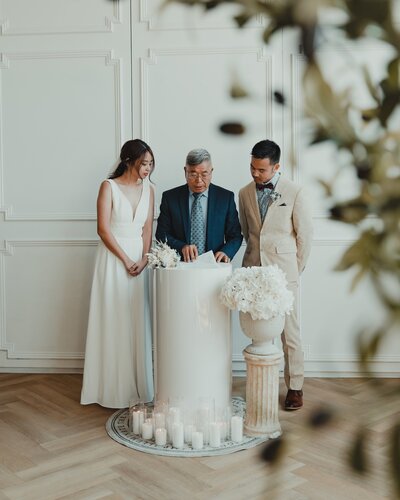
(131, 151)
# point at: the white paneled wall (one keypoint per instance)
(77, 79)
(65, 92)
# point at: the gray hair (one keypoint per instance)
(197, 156)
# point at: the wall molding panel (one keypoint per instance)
(155, 54)
(105, 25)
(60, 216)
(11, 213)
(200, 20)
(9, 251)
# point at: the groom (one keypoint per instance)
(199, 216)
(277, 227)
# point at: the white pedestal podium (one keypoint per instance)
(193, 349)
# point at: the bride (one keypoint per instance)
(118, 365)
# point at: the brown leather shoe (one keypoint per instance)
(294, 400)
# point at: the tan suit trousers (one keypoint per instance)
(291, 343)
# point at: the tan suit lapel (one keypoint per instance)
(253, 203)
(273, 205)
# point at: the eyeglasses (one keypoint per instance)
(193, 176)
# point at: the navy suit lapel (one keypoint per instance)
(211, 212)
(184, 210)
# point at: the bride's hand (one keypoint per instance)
(129, 265)
(138, 267)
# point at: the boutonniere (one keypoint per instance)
(274, 196)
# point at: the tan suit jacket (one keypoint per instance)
(286, 234)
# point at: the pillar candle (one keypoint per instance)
(161, 437)
(175, 414)
(206, 433)
(137, 421)
(177, 435)
(189, 429)
(215, 435)
(130, 419)
(147, 430)
(237, 429)
(197, 440)
(168, 425)
(223, 430)
(159, 420)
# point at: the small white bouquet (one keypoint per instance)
(260, 291)
(162, 255)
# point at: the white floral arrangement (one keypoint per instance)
(260, 291)
(162, 255)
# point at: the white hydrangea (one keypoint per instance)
(260, 291)
(162, 255)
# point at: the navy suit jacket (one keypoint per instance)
(223, 227)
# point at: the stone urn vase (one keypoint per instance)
(262, 384)
(262, 332)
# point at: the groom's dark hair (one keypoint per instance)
(267, 149)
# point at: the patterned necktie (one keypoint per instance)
(263, 201)
(197, 229)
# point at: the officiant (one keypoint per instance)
(199, 216)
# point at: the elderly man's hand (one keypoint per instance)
(190, 253)
(221, 257)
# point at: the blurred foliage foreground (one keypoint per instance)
(370, 140)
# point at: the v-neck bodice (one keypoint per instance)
(124, 222)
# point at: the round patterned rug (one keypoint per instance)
(118, 430)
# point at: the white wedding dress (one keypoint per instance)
(118, 365)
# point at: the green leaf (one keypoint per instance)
(391, 90)
(368, 346)
(269, 31)
(357, 278)
(369, 114)
(211, 4)
(357, 458)
(237, 91)
(395, 457)
(372, 10)
(320, 135)
(242, 19)
(355, 28)
(351, 212)
(327, 187)
(321, 417)
(308, 35)
(326, 107)
(279, 98)
(371, 86)
(363, 169)
(232, 128)
(361, 252)
(273, 450)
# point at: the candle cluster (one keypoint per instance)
(174, 424)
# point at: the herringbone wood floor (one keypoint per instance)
(51, 447)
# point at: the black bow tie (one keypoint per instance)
(261, 187)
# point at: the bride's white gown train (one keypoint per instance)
(118, 365)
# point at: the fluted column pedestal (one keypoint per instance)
(262, 395)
